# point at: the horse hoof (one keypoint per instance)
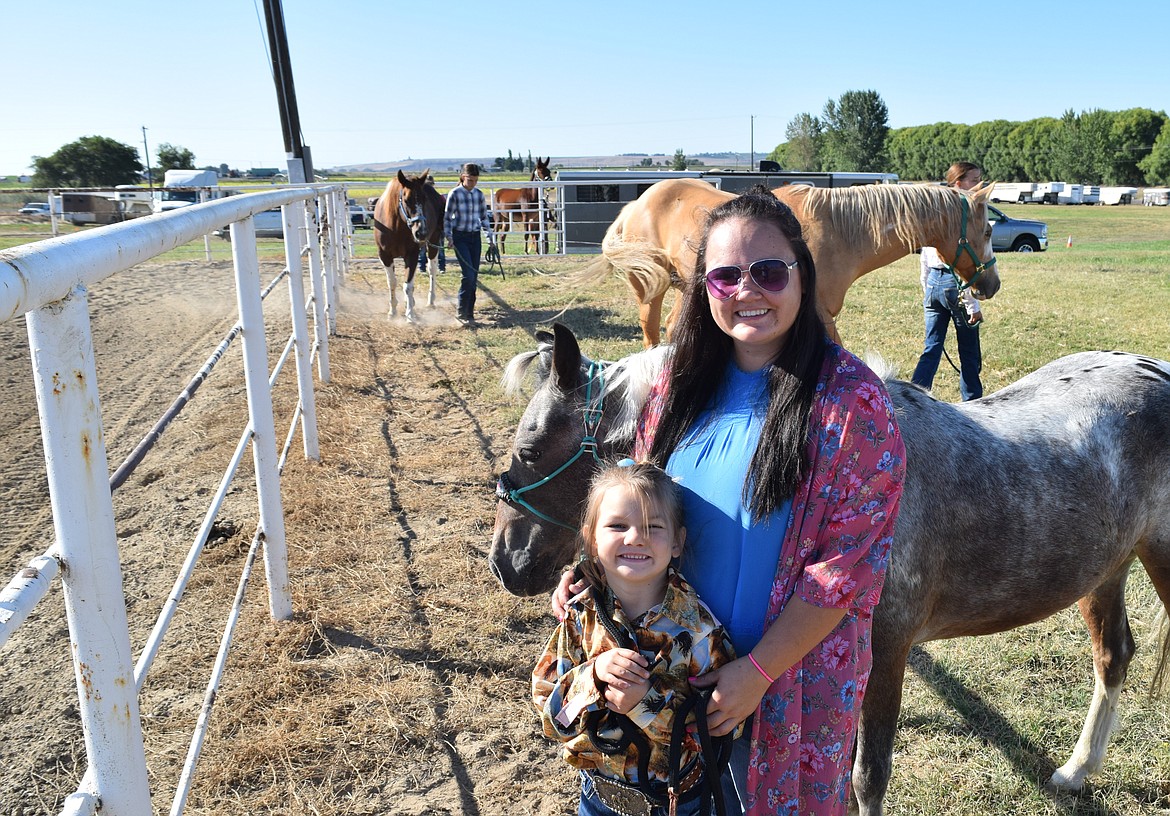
(1066, 779)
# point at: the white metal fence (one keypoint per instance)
(48, 283)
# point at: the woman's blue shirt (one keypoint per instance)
(728, 559)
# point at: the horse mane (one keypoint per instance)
(874, 208)
(629, 379)
(633, 375)
(885, 369)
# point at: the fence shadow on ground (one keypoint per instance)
(591, 322)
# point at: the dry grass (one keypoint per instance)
(402, 685)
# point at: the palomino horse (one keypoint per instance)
(408, 215)
(522, 205)
(850, 231)
(1058, 488)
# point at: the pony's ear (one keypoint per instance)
(566, 357)
(543, 338)
(402, 179)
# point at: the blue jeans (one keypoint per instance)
(942, 307)
(441, 258)
(467, 249)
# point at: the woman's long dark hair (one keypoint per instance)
(703, 352)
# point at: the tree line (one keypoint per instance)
(99, 161)
(1129, 147)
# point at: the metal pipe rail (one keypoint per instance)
(48, 283)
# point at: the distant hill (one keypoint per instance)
(444, 165)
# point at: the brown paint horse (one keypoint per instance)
(850, 231)
(408, 216)
(521, 205)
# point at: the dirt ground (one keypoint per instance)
(401, 686)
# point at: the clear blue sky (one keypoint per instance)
(387, 80)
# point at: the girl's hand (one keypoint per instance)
(626, 678)
(739, 687)
(565, 590)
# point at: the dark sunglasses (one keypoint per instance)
(770, 274)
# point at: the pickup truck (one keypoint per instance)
(1016, 234)
(359, 216)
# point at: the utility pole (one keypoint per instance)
(300, 162)
(752, 166)
(149, 175)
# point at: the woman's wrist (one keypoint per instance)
(763, 672)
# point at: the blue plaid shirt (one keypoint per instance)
(467, 212)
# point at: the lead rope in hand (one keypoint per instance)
(716, 754)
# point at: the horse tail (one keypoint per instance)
(1161, 673)
(645, 266)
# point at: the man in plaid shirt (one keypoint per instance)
(465, 216)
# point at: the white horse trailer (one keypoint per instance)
(1048, 192)
(1070, 194)
(1090, 194)
(1156, 197)
(1113, 196)
(1012, 192)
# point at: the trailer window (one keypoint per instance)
(593, 193)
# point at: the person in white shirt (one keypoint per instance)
(943, 303)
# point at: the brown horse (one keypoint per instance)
(522, 205)
(408, 216)
(850, 231)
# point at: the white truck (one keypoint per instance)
(182, 188)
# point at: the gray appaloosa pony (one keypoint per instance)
(1014, 507)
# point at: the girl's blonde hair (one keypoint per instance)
(654, 489)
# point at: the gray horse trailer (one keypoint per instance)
(592, 199)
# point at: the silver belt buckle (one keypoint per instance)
(620, 798)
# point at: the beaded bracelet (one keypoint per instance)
(760, 669)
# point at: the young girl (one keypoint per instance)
(615, 672)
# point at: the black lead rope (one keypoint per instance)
(716, 751)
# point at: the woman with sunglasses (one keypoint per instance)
(791, 466)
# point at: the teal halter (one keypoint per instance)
(591, 416)
(965, 246)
